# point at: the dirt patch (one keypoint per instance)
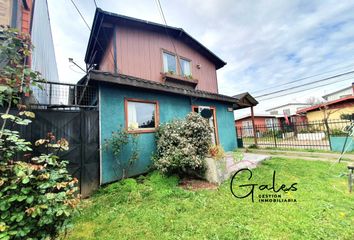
(196, 184)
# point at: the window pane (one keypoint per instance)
(141, 115)
(185, 67)
(169, 63)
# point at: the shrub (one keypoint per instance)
(117, 143)
(37, 195)
(182, 146)
(217, 152)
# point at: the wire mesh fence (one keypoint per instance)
(64, 95)
(304, 135)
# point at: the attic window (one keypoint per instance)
(185, 67)
(169, 63)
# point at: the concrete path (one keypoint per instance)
(250, 160)
(221, 170)
(312, 156)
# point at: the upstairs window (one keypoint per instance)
(185, 67)
(169, 63)
(141, 115)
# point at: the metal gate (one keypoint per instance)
(81, 129)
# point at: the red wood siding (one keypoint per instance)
(26, 17)
(139, 54)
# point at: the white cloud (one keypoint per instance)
(265, 43)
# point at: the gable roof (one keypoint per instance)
(102, 19)
(245, 100)
(313, 108)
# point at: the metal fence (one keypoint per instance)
(64, 95)
(305, 135)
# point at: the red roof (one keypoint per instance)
(304, 110)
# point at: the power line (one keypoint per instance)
(82, 17)
(96, 39)
(95, 3)
(162, 15)
(300, 79)
(303, 90)
(305, 84)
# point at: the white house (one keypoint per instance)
(289, 109)
(345, 92)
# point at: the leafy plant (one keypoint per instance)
(217, 152)
(182, 146)
(37, 195)
(118, 141)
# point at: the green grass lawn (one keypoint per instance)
(154, 207)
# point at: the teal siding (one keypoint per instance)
(170, 106)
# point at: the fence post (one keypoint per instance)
(328, 133)
(75, 95)
(275, 139)
(254, 128)
(50, 94)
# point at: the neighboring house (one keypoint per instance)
(32, 17)
(289, 111)
(263, 122)
(330, 110)
(342, 93)
(148, 74)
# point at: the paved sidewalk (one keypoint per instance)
(314, 156)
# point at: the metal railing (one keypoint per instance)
(64, 95)
(305, 135)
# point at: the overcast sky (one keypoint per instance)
(265, 43)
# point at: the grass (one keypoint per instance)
(154, 207)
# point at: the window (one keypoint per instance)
(185, 67)
(274, 112)
(169, 62)
(141, 115)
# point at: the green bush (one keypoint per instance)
(37, 195)
(182, 146)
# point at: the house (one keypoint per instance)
(147, 74)
(329, 110)
(289, 111)
(341, 93)
(263, 122)
(32, 17)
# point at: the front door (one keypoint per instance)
(212, 122)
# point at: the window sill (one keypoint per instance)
(168, 77)
(149, 130)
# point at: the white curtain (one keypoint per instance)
(132, 116)
(186, 70)
(165, 62)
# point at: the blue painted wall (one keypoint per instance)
(170, 106)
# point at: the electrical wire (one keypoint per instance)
(96, 39)
(82, 17)
(300, 79)
(305, 84)
(162, 15)
(307, 89)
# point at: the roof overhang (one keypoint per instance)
(95, 76)
(245, 100)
